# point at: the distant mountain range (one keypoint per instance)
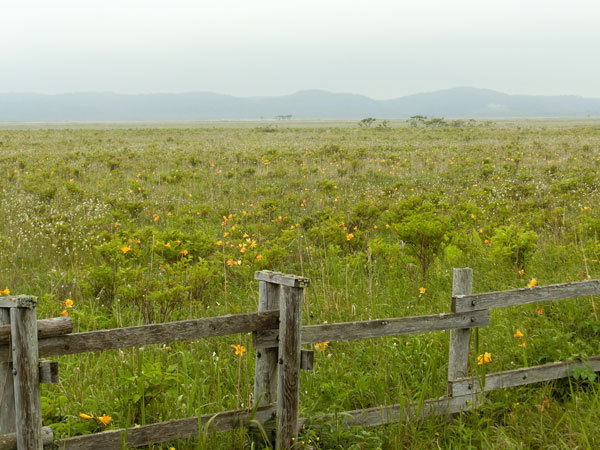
(312, 104)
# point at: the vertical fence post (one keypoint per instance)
(24, 342)
(265, 382)
(288, 386)
(458, 357)
(7, 395)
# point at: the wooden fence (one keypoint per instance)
(278, 337)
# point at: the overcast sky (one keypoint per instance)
(383, 49)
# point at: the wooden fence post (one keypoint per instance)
(24, 343)
(288, 386)
(458, 357)
(265, 372)
(290, 292)
(7, 395)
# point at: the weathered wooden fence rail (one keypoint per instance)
(278, 337)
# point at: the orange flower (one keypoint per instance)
(484, 358)
(219, 243)
(156, 217)
(539, 310)
(422, 290)
(518, 334)
(104, 419)
(68, 303)
(230, 262)
(64, 313)
(6, 291)
(239, 349)
(125, 249)
(321, 345)
(349, 236)
(532, 283)
(522, 272)
(259, 257)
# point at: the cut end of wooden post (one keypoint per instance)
(18, 301)
(282, 279)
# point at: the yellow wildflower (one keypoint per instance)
(219, 243)
(156, 217)
(422, 290)
(6, 291)
(349, 236)
(68, 303)
(321, 345)
(532, 283)
(125, 249)
(184, 252)
(239, 349)
(259, 257)
(105, 419)
(168, 245)
(64, 313)
(85, 416)
(484, 358)
(518, 334)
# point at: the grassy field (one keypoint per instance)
(137, 225)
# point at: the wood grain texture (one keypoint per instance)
(49, 372)
(307, 359)
(92, 341)
(345, 331)
(9, 441)
(7, 394)
(166, 431)
(382, 415)
(18, 301)
(288, 385)
(28, 407)
(527, 375)
(523, 296)
(281, 278)
(56, 326)
(265, 373)
(458, 352)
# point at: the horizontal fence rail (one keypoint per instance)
(92, 341)
(346, 331)
(57, 326)
(524, 376)
(523, 296)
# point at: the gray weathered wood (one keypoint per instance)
(281, 278)
(526, 375)
(28, 407)
(18, 301)
(166, 431)
(381, 415)
(288, 386)
(265, 374)
(344, 331)
(458, 353)
(49, 372)
(523, 296)
(9, 441)
(92, 341)
(7, 395)
(57, 326)
(307, 359)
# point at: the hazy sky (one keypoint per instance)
(382, 49)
